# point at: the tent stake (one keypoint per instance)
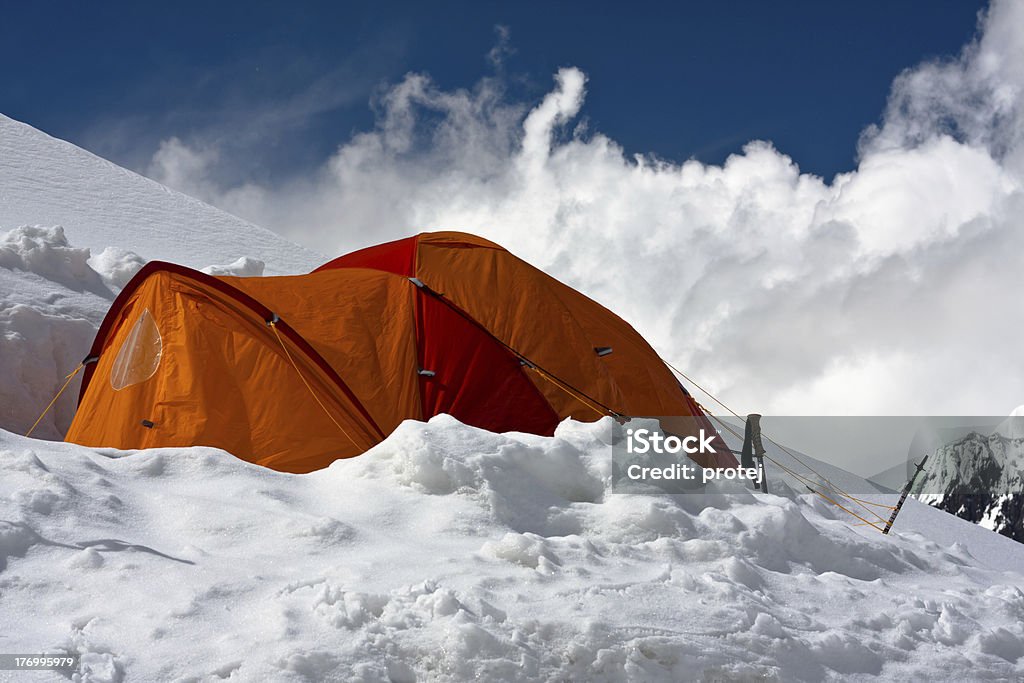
(903, 497)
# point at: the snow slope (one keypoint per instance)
(45, 181)
(450, 553)
(446, 552)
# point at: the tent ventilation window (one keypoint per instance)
(139, 356)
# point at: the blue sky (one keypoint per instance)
(678, 80)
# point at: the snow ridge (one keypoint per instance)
(47, 181)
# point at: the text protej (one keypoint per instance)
(680, 472)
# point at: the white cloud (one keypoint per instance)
(183, 167)
(895, 288)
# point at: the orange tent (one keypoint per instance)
(295, 372)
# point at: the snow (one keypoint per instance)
(46, 252)
(243, 267)
(51, 182)
(446, 552)
(116, 266)
(51, 303)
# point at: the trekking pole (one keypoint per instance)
(903, 497)
(753, 447)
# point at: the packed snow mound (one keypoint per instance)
(116, 266)
(45, 251)
(243, 267)
(51, 302)
(36, 352)
(451, 553)
(51, 182)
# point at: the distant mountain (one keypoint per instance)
(979, 478)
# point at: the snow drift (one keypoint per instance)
(51, 302)
(447, 552)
